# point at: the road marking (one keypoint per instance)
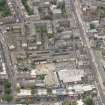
(88, 45)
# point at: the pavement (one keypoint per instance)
(8, 61)
(99, 85)
(71, 5)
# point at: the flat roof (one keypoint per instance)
(24, 92)
(73, 75)
(81, 88)
(42, 91)
(60, 91)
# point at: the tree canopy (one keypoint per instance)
(7, 98)
(88, 101)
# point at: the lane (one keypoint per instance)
(10, 67)
(99, 84)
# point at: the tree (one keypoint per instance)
(7, 84)
(42, 77)
(2, 2)
(7, 98)
(28, 9)
(92, 26)
(50, 35)
(7, 90)
(4, 11)
(43, 29)
(101, 12)
(66, 103)
(88, 101)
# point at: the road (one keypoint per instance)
(10, 70)
(78, 19)
(99, 84)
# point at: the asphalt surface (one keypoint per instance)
(99, 83)
(76, 9)
(8, 61)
